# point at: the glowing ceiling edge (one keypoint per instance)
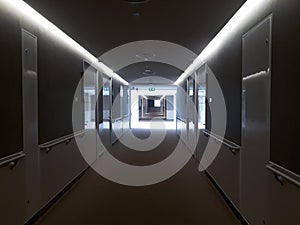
(249, 7)
(24, 9)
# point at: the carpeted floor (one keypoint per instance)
(187, 198)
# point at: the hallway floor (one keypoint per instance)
(187, 198)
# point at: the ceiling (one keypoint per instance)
(102, 25)
(149, 72)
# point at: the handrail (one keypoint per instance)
(182, 120)
(12, 160)
(282, 174)
(233, 147)
(116, 119)
(67, 139)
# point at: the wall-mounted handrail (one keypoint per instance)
(65, 139)
(233, 147)
(181, 119)
(116, 119)
(282, 174)
(11, 160)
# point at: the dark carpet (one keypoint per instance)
(187, 198)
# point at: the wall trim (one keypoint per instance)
(55, 199)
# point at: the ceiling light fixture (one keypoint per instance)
(149, 72)
(136, 14)
(24, 10)
(146, 56)
(248, 9)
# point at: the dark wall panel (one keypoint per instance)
(116, 112)
(226, 64)
(59, 73)
(227, 68)
(125, 101)
(181, 101)
(100, 106)
(11, 84)
(285, 85)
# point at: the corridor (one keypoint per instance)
(186, 198)
(150, 112)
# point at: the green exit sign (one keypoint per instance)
(151, 89)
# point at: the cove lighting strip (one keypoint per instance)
(23, 9)
(244, 13)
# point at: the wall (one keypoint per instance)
(59, 70)
(285, 91)
(11, 80)
(280, 202)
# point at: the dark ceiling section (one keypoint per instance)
(147, 69)
(135, 1)
(100, 25)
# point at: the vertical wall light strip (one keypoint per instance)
(244, 13)
(25, 11)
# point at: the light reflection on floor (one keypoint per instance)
(156, 125)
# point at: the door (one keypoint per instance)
(116, 111)
(90, 117)
(191, 113)
(30, 122)
(105, 122)
(201, 109)
(255, 121)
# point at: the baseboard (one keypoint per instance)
(227, 200)
(46, 207)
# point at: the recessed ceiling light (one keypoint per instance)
(149, 72)
(136, 14)
(146, 56)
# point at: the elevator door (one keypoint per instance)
(255, 121)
